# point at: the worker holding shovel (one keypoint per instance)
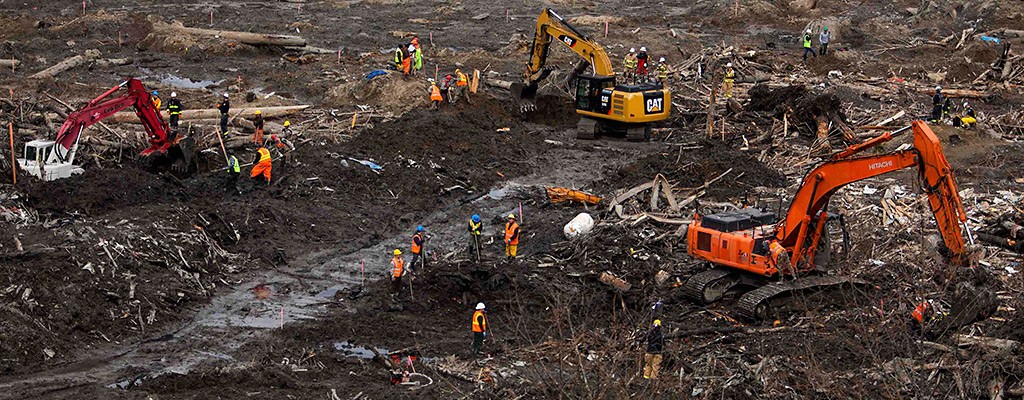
(475, 231)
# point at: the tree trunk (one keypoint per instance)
(176, 29)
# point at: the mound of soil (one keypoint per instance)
(691, 168)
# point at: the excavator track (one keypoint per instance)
(710, 285)
(754, 304)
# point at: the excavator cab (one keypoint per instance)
(594, 93)
(42, 161)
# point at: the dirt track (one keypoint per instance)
(149, 286)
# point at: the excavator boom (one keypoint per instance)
(551, 27)
(842, 169)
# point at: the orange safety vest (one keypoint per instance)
(415, 247)
(463, 80)
(435, 93)
(264, 154)
(397, 266)
(511, 228)
(920, 311)
(476, 325)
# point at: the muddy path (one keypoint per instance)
(314, 283)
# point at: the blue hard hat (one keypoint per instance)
(420, 228)
(476, 218)
(155, 93)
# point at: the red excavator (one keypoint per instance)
(748, 247)
(54, 159)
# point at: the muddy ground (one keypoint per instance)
(121, 283)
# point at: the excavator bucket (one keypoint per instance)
(524, 95)
(179, 159)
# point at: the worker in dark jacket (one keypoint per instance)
(257, 137)
(938, 102)
(174, 111)
(224, 106)
(655, 346)
(419, 256)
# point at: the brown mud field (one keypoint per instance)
(125, 283)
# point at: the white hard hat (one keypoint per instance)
(643, 48)
(661, 59)
(174, 94)
(808, 31)
(936, 88)
(632, 49)
(728, 65)
(479, 306)
(225, 95)
(430, 79)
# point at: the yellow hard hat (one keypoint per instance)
(511, 216)
(258, 112)
(287, 123)
(397, 252)
(657, 322)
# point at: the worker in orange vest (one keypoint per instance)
(479, 328)
(462, 85)
(397, 271)
(257, 137)
(263, 164)
(419, 240)
(435, 95)
(511, 237)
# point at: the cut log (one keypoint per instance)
(499, 83)
(611, 280)
(66, 65)
(111, 62)
(956, 93)
(254, 39)
(11, 63)
(211, 113)
(1002, 345)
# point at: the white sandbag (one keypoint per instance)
(581, 225)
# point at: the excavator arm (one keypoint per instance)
(104, 106)
(551, 27)
(843, 168)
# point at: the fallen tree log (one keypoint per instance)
(212, 113)
(611, 280)
(67, 64)
(955, 93)
(255, 39)
(11, 63)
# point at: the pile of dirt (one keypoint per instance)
(390, 93)
(693, 167)
(99, 191)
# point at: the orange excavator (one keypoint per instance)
(748, 247)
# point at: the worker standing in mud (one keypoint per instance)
(808, 45)
(655, 346)
(511, 238)
(479, 328)
(284, 148)
(938, 102)
(462, 85)
(476, 229)
(435, 95)
(823, 40)
(417, 54)
(629, 66)
(155, 98)
(663, 72)
(397, 272)
(729, 80)
(234, 171)
(419, 240)
(399, 56)
(447, 87)
(641, 65)
(224, 106)
(174, 111)
(407, 61)
(257, 136)
(263, 164)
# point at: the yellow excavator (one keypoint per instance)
(604, 106)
